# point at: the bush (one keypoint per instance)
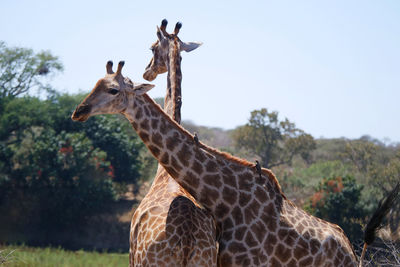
(299, 182)
(115, 136)
(56, 182)
(338, 200)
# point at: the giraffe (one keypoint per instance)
(179, 221)
(259, 225)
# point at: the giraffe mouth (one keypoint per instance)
(149, 75)
(152, 71)
(81, 113)
(81, 119)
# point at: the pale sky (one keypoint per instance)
(332, 67)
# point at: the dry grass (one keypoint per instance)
(6, 257)
(383, 254)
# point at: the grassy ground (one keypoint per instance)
(46, 257)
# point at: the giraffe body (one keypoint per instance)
(169, 228)
(259, 226)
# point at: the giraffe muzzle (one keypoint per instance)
(149, 75)
(81, 113)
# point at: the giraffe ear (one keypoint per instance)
(190, 46)
(141, 88)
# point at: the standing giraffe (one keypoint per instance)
(259, 225)
(169, 228)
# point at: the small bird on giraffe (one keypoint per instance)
(196, 138)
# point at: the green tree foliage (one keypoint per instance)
(387, 175)
(376, 163)
(366, 153)
(22, 70)
(361, 153)
(111, 134)
(114, 136)
(275, 142)
(299, 183)
(19, 114)
(338, 200)
(54, 173)
(329, 149)
(54, 180)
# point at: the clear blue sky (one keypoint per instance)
(332, 67)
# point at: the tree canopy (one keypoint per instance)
(54, 172)
(275, 142)
(23, 70)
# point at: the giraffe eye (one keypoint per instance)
(113, 91)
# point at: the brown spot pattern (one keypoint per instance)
(244, 198)
(154, 124)
(197, 167)
(229, 195)
(157, 139)
(283, 253)
(192, 179)
(213, 180)
(208, 196)
(184, 155)
(211, 166)
(164, 159)
(237, 215)
(172, 142)
(229, 180)
(144, 136)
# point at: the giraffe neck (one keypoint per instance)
(172, 102)
(173, 98)
(216, 180)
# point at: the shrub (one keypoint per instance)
(338, 200)
(58, 181)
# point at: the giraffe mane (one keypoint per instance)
(221, 154)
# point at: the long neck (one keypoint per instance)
(172, 102)
(173, 98)
(214, 179)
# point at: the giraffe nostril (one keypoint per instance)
(82, 110)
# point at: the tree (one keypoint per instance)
(111, 134)
(20, 114)
(275, 142)
(22, 70)
(55, 174)
(361, 153)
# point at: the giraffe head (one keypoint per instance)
(166, 44)
(110, 95)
